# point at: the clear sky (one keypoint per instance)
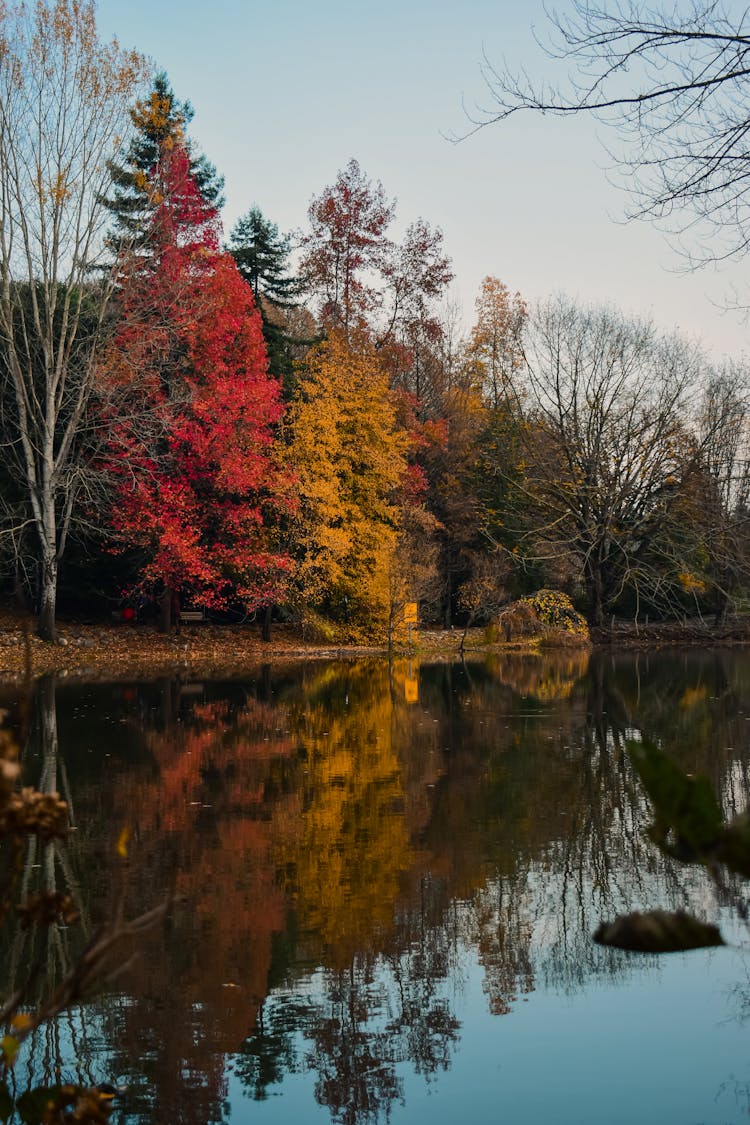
(285, 92)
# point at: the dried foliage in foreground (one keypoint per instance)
(26, 813)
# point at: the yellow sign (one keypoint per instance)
(410, 613)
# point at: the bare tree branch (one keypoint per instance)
(674, 84)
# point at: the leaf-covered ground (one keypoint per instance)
(111, 651)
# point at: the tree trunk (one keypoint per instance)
(46, 627)
(266, 626)
(52, 314)
(594, 589)
(169, 610)
(722, 611)
(165, 612)
(447, 612)
(48, 708)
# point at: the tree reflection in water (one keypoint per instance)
(49, 868)
(344, 855)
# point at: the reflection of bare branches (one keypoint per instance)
(424, 956)
(52, 978)
(52, 961)
(101, 962)
(356, 1071)
(505, 933)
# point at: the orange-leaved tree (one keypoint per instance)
(495, 348)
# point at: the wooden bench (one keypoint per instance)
(192, 616)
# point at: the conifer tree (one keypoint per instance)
(262, 257)
(160, 122)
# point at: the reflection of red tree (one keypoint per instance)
(199, 809)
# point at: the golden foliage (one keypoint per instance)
(155, 116)
(693, 696)
(691, 583)
(545, 677)
(556, 609)
(351, 812)
(349, 455)
(495, 345)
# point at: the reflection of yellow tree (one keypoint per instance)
(344, 860)
(402, 835)
(542, 677)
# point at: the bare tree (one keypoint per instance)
(64, 101)
(674, 81)
(723, 510)
(605, 402)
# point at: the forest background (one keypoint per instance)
(259, 422)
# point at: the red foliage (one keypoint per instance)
(192, 450)
(347, 240)
(424, 436)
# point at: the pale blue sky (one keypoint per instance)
(286, 92)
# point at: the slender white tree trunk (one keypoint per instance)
(64, 115)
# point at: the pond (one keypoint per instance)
(386, 879)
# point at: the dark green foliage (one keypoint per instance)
(687, 817)
(733, 847)
(161, 122)
(262, 257)
(688, 821)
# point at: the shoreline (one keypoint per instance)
(118, 651)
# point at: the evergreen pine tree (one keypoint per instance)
(161, 122)
(262, 257)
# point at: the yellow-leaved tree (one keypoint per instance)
(350, 456)
(495, 350)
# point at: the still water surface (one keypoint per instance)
(387, 879)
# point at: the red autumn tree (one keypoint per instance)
(368, 284)
(198, 484)
(346, 247)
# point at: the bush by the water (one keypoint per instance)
(547, 616)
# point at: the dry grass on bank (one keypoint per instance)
(138, 651)
(116, 651)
